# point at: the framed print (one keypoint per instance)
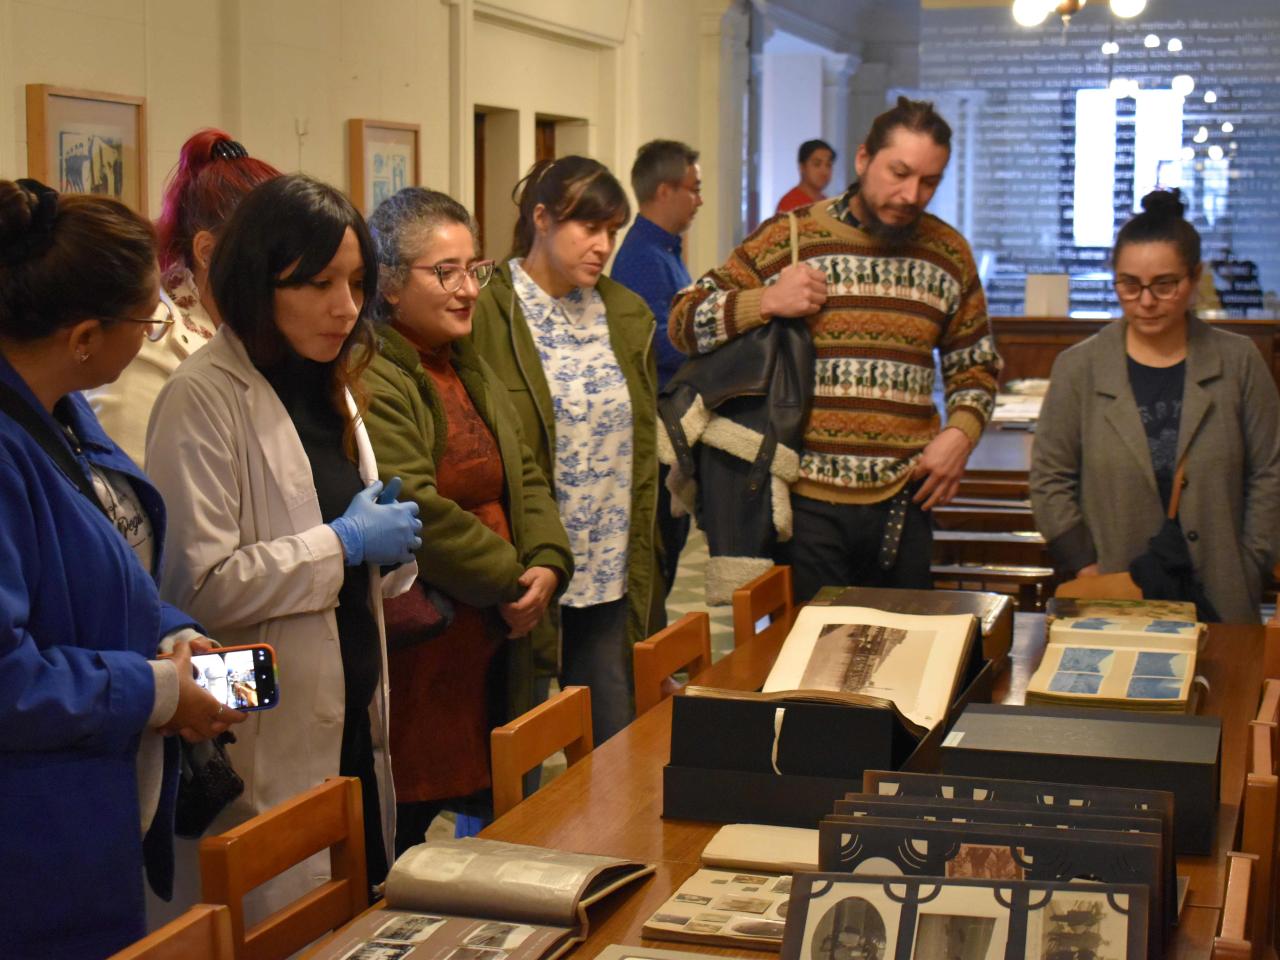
(384, 159)
(85, 141)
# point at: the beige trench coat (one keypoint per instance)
(1093, 489)
(249, 557)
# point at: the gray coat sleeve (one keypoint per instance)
(1260, 427)
(1056, 460)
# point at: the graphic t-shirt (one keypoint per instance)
(1158, 393)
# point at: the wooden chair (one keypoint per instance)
(1108, 586)
(1271, 652)
(202, 933)
(769, 594)
(233, 863)
(1258, 828)
(1231, 942)
(563, 722)
(686, 643)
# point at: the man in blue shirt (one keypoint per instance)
(668, 186)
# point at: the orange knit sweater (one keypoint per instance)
(886, 311)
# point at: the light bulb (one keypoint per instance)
(1030, 13)
(1183, 84)
(1188, 154)
(1201, 135)
(1228, 127)
(1175, 45)
(1151, 41)
(1110, 48)
(1210, 97)
(1233, 146)
(1128, 8)
(1215, 152)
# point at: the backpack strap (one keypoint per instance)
(52, 444)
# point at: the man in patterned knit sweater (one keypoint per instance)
(882, 284)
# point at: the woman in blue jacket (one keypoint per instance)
(86, 779)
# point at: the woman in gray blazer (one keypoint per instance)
(1153, 389)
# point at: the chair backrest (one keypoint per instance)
(1232, 941)
(1107, 586)
(686, 643)
(770, 595)
(1258, 828)
(202, 933)
(1271, 652)
(561, 723)
(328, 816)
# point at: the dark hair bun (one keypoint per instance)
(1164, 203)
(17, 208)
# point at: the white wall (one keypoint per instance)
(791, 113)
(267, 69)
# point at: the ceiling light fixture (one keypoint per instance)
(1183, 84)
(1175, 45)
(1032, 13)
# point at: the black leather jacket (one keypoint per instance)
(734, 419)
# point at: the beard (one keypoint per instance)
(890, 234)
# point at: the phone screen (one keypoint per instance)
(242, 679)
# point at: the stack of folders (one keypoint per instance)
(1121, 661)
(935, 865)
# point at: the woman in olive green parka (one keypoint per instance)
(493, 544)
(553, 329)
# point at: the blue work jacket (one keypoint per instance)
(79, 619)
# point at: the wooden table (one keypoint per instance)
(611, 802)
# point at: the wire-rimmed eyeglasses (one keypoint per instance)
(159, 322)
(451, 275)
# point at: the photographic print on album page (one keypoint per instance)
(725, 907)
(837, 917)
(914, 662)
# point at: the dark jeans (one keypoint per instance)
(596, 655)
(674, 531)
(834, 544)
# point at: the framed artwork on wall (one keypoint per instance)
(85, 141)
(384, 158)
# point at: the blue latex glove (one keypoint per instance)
(377, 529)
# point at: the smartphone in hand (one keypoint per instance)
(244, 678)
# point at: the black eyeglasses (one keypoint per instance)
(158, 323)
(451, 275)
(1163, 288)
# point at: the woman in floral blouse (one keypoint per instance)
(575, 350)
(213, 174)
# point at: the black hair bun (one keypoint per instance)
(1165, 203)
(17, 207)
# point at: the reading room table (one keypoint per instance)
(610, 803)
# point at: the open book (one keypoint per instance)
(729, 908)
(912, 664)
(475, 899)
(1134, 663)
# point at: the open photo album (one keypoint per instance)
(474, 899)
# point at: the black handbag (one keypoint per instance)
(206, 784)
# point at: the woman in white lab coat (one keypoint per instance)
(279, 527)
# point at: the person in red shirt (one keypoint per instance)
(815, 160)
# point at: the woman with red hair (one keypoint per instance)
(213, 173)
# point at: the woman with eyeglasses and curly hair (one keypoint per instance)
(1157, 389)
(496, 557)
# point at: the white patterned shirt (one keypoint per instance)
(593, 434)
